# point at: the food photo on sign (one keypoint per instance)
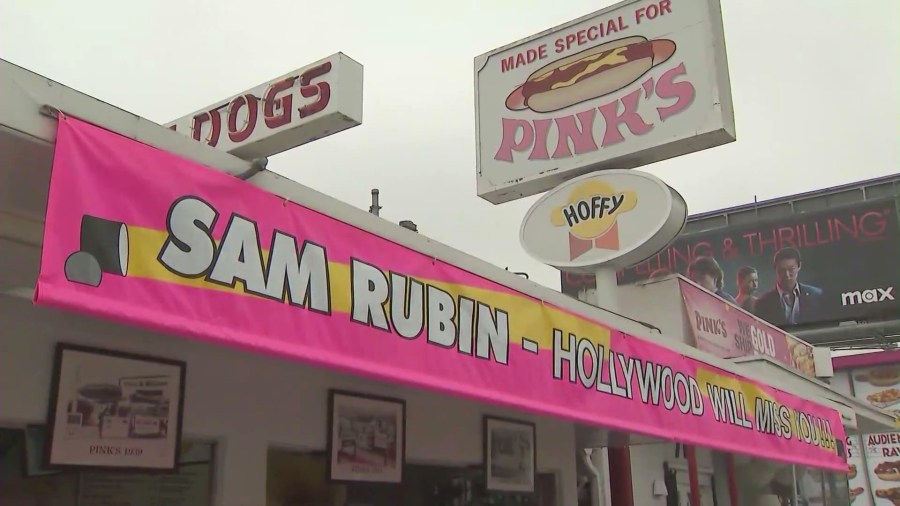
(728, 332)
(884, 462)
(856, 476)
(879, 386)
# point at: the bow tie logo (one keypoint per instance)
(591, 216)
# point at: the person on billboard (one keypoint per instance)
(706, 272)
(791, 301)
(747, 283)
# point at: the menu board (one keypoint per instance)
(859, 487)
(879, 387)
(883, 455)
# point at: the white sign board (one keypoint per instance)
(635, 83)
(309, 103)
(613, 219)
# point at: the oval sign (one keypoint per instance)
(613, 218)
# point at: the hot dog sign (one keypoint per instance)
(638, 82)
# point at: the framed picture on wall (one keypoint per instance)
(114, 410)
(366, 438)
(510, 458)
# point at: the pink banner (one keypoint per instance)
(139, 235)
(726, 331)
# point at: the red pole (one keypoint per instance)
(733, 493)
(621, 492)
(691, 454)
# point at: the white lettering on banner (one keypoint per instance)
(190, 251)
(579, 361)
(300, 277)
(656, 384)
(870, 296)
(297, 272)
(451, 322)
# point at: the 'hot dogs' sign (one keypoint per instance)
(633, 84)
(307, 104)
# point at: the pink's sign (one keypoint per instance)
(142, 236)
(727, 331)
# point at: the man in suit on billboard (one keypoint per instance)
(790, 302)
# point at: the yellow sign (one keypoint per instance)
(591, 214)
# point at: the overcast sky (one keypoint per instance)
(815, 88)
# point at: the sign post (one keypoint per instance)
(605, 295)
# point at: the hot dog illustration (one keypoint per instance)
(888, 471)
(589, 74)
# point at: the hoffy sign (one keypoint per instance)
(613, 218)
(633, 84)
(591, 216)
(299, 107)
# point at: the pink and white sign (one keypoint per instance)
(632, 84)
(142, 236)
(727, 331)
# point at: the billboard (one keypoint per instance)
(635, 83)
(841, 262)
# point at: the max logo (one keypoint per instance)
(869, 296)
(591, 215)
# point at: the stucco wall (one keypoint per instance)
(247, 403)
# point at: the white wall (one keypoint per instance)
(658, 303)
(250, 402)
(647, 467)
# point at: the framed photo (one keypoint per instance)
(510, 457)
(111, 410)
(366, 438)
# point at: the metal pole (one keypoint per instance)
(606, 289)
(794, 479)
(374, 208)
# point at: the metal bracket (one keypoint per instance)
(257, 165)
(49, 111)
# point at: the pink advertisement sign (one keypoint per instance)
(142, 236)
(726, 331)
